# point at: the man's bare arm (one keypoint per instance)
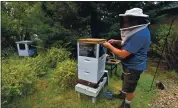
(121, 53)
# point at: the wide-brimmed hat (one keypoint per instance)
(137, 12)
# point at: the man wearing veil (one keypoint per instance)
(135, 43)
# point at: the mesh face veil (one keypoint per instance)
(130, 25)
(132, 21)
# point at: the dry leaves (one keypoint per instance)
(167, 98)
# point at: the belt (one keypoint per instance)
(126, 71)
(129, 71)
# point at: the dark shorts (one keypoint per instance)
(130, 78)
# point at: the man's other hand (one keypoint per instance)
(113, 41)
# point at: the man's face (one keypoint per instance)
(129, 21)
(126, 22)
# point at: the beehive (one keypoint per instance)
(91, 59)
(25, 48)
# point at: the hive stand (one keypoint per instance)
(93, 92)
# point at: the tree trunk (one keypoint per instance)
(94, 22)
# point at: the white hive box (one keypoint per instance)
(25, 48)
(91, 59)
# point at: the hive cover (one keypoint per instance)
(92, 40)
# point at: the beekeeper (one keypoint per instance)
(135, 43)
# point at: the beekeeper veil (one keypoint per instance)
(131, 22)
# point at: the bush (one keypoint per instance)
(170, 53)
(6, 52)
(64, 75)
(172, 75)
(38, 64)
(19, 74)
(55, 55)
(18, 78)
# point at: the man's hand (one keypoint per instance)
(107, 44)
(113, 41)
(121, 53)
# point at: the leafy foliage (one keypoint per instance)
(55, 55)
(170, 53)
(53, 21)
(65, 74)
(7, 52)
(18, 78)
(20, 74)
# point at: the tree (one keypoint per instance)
(20, 20)
(65, 21)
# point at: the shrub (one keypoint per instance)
(19, 74)
(64, 75)
(170, 53)
(6, 52)
(39, 64)
(172, 75)
(55, 55)
(18, 78)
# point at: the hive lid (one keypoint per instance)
(92, 40)
(24, 42)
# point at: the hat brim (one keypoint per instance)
(143, 15)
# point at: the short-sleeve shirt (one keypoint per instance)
(138, 45)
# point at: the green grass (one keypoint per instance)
(47, 95)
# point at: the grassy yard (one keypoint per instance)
(49, 96)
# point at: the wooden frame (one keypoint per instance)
(92, 41)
